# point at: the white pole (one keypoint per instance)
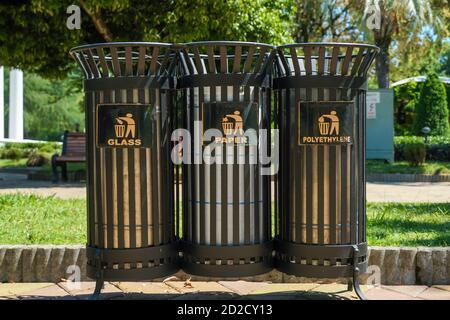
(16, 104)
(2, 104)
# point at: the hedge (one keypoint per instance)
(438, 147)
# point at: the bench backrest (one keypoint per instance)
(74, 144)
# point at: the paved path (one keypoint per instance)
(408, 192)
(18, 183)
(178, 290)
(376, 192)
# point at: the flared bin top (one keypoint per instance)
(225, 57)
(325, 59)
(124, 59)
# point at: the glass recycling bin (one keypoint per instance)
(129, 90)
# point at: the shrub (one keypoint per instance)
(50, 147)
(437, 148)
(27, 152)
(11, 153)
(432, 108)
(36, 159)
(415, 153)
(26, 149)
(14, 145)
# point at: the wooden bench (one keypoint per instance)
(73, 151)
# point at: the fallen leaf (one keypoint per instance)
(172, 278)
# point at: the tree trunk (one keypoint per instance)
(99, 24)
(382, 63)
(301, 32)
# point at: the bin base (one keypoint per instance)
(227, 261)
(132, 264)
(344, 261)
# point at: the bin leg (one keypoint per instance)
(99, 282)
(356, 286)
(98, 288)
(350, 285)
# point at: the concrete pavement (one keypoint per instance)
(179, 290)
(18, 183)
(409, 192)
(376, 192)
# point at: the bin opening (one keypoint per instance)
(325, 59)
(106, 60)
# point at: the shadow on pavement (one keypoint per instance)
(287, 295)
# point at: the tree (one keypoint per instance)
(418, 53)
(51, 107)
(432, 108)
(34, 36)
(445, 67)
(397, 17)
(405, 101)
(323, 20)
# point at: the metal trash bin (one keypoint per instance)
(226, 215)
(320, 90)
(129, 101)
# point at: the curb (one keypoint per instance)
(399, 177)
(397, 266)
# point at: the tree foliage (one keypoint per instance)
(50, 106)
(399, 20)
(405, 101)
(432, 108)
(34, 35)
(445, 66)
(323, 20)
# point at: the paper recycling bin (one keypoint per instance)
(226, 217)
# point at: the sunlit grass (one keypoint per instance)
(408, 224)
(29, 219)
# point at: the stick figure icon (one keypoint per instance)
(130, 125)
(334, 123)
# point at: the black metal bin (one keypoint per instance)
(226, 214)
(128, 102)
(320, 91)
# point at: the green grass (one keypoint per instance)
(430, 167)
(29, 219)
(16, 163)
(404, 224)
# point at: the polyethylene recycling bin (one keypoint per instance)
(129, 102)
(226, 215)
(321, 92)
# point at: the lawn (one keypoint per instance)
(29, 219)
(408, 224)
(13, 163)
(430, 167)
